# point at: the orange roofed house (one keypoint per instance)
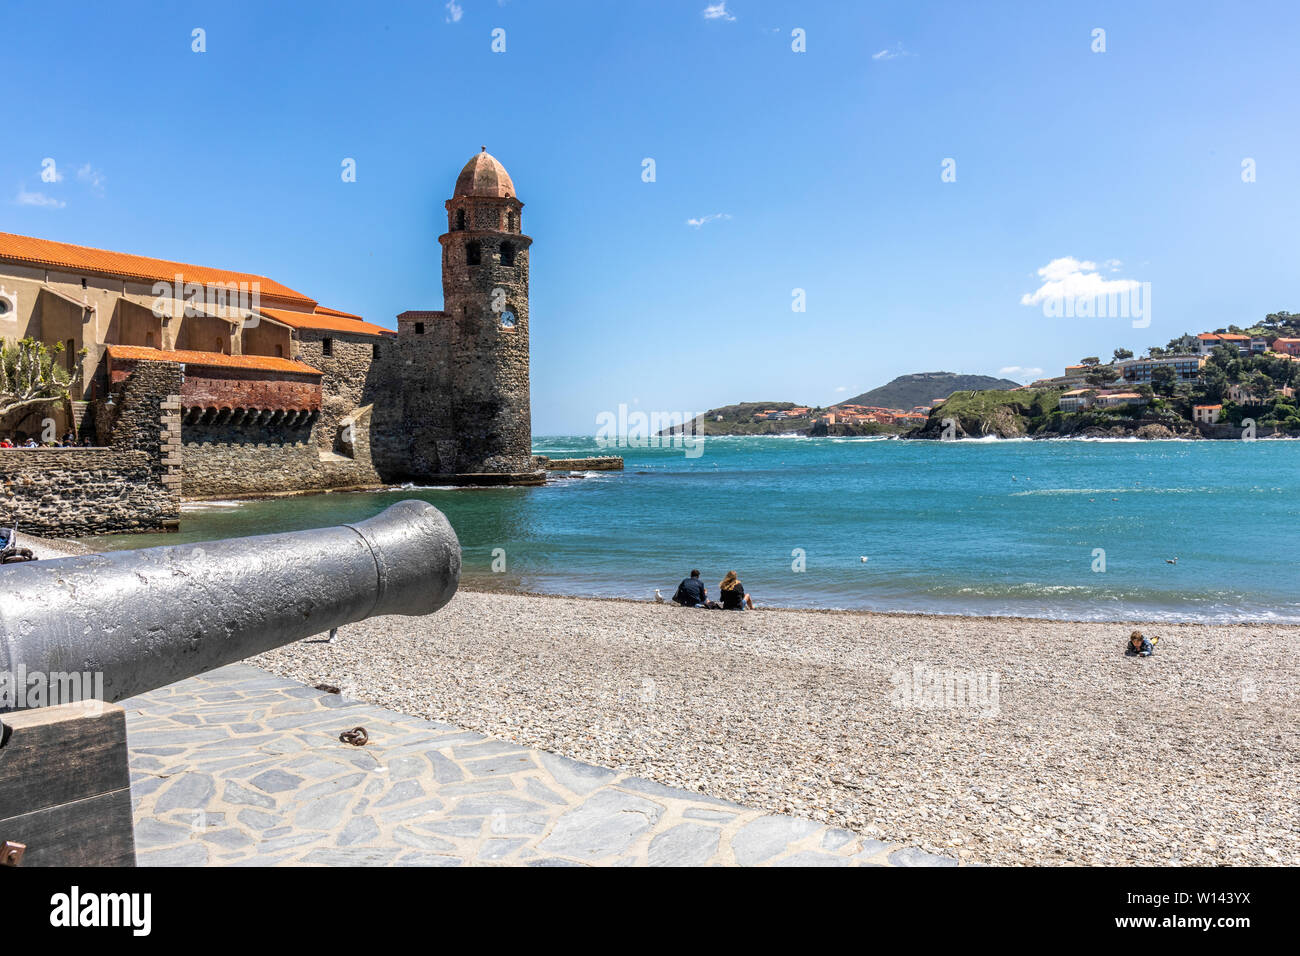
(280, 393)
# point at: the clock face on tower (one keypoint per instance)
(507, 320)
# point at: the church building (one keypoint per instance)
(280, 393)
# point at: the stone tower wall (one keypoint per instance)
(489, 374)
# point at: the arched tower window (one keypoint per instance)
(510, 221)
(460, 218)
(507, 253)
(473, 253)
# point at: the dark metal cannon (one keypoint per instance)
(144, 619)
(138, 620)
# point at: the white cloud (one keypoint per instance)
(841, 388)
(1019, 371)
(893, 54)
(91, 177)
(718, 11)
(25, 198)
(454, 11)
(696, 223)
(1070, 278)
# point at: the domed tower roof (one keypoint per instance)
(485, 176)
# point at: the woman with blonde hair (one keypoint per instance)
(734, 597)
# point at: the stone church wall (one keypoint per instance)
(133, 484)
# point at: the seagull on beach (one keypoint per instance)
(659, 598)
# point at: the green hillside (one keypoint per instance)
(920, 388)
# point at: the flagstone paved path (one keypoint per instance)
(239, 767)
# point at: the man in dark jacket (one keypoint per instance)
(691, 593)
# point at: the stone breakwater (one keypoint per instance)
(997, 740)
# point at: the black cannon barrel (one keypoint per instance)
(144, 619)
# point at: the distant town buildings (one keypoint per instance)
(875, 415)
(1186, 367)
(1206, 414)
(1083, 398)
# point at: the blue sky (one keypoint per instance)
(822, 170)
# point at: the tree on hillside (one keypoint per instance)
(1214, 384)
(1164, 380)
(1122, 354)
(1227, 358)
(30, 374)
(1090, 360)
(1257, 385)
(1100, 376)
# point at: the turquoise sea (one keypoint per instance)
(969, 527)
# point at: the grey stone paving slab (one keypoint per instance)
(275, 781)
(358, 830)
(605, 825)
(687, 844)
(767, 836)
(580, 778)
(910, 856)
(811, 858)
(239, 768)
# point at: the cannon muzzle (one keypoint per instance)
(144, 619)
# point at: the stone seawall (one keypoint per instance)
(66, 492)
(579, 464)
(132, 484)
(224, 461)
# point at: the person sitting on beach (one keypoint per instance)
(691, 593)
(1138, 646)
(734, 597)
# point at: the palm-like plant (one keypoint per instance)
(30, 374)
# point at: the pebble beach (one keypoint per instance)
(1005, 741)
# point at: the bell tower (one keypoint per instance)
(485, 318)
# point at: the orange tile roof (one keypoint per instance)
(327, 319)
(64, 255)
(320, 309)
(266, 363)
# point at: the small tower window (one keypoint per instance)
(507, 253)
(374, 350)
(419, 328)
(507, 319)
(510, 221)
(460, 218)
(327, 346)
(472, 253)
